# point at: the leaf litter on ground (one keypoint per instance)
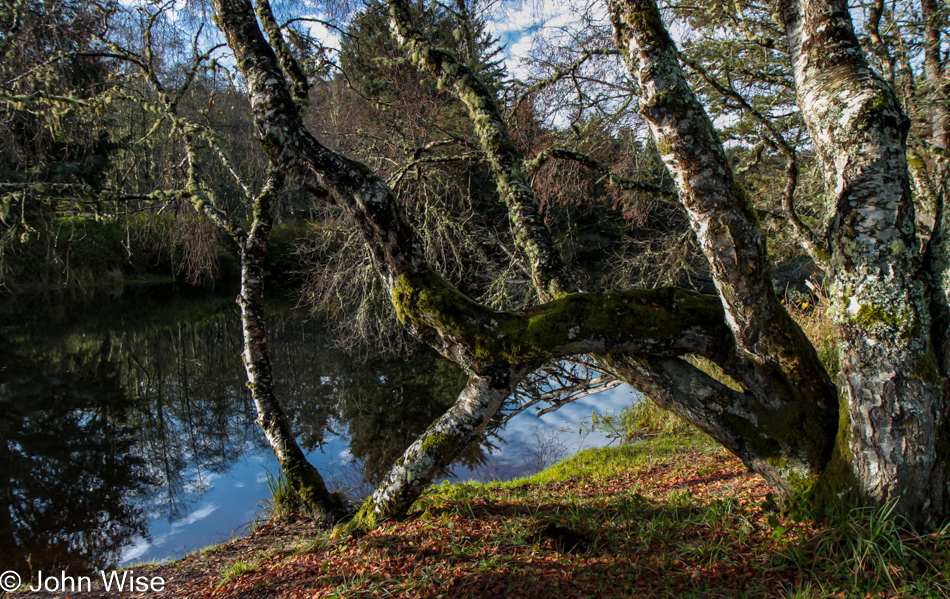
(666, 518)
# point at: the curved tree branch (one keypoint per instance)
(559, 74)
(802, 233)
(782, 370)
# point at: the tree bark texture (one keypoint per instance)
(935, 21)
(301, 474)
(879, 294)
(438, 447)
(790, 399)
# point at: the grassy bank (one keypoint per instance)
(670, 517)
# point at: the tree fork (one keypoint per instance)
(810, 407)
(441, 316)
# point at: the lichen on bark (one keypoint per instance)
(880, 305)
(791, 396)
(550, 276)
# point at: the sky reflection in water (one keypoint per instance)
(234, 498)
(140, 395)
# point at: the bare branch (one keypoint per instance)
(607, 175)
(800, 231)
(559, 384)
(559, 74)
(549, 273)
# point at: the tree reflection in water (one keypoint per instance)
(381, 404)
(120, 407)
(70, 473)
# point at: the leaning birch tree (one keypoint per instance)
(880, 437)
(251, 243)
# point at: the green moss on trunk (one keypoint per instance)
(312, 490)
(654, 318)
(363, 521)
(837, 486)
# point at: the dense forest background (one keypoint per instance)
(110, 112)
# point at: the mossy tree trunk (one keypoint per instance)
(303, 477)
(879, 294)
(782, 417)
(784, 423)
(438, 446)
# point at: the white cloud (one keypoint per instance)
(201, 483)
(137, 549)
(199, 514)
(523, 25)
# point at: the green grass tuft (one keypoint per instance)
(284, 503)
(235, 570)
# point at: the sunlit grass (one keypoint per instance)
(235, 570)
(675, 516)
(284, 503)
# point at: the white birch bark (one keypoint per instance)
(879, 292)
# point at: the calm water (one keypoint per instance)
(127, 432)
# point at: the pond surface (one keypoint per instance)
(127, 432)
